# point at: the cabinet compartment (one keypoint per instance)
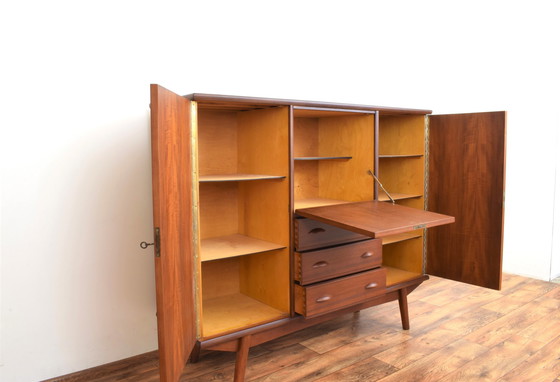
(328, 296)
(312, 234)
(333, 152)
(337, 261)
(402, 256)
(241, 292)
(243, 191)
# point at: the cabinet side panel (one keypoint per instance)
(172, 198)
(467, 179)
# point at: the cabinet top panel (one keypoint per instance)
(237, 103)
(375, 219)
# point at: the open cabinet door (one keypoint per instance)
(467, 180)
(172, 198)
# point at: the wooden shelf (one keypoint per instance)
(235, 312)
(233, 245)
(395, 275)
(322, 158)
(397, 196)
(381, 156)
(401, 237)
(316, 202)
(236, 177)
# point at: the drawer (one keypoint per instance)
(328, 296)
(312, 234)
(324, 264)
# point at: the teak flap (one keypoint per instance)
(375, 219)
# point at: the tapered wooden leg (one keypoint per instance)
(403, 306)
(195, 354)
(241, 359)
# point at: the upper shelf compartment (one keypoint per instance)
(332, 149)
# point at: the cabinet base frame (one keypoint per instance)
(241, 341)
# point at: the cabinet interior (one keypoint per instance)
(243, 189)
(333, 152)
(401, 170)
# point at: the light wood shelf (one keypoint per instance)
(388, 156)
(397, 196)
(236, 177)
(323, 158)
(395, 275)
(233, 245)
(235, 312)
(401, 237)
(316, 202)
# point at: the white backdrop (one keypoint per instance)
(76, 289)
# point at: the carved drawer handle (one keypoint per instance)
(371, 285)
(317, 230)
(323, 299)
(320, 264)
(367, 254)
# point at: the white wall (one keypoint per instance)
(76, 290)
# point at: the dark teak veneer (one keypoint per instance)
(267, 219)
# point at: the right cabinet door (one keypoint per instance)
(467, 180)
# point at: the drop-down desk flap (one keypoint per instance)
(375, 219)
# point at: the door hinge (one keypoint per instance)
(156, 242)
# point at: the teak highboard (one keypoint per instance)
(268, 219)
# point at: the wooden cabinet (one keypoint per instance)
(268, 219)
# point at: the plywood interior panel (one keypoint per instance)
(217, 137)
(405, 255)
(346, 179)
(220, 278)
(266, 278)
(219, 209)
(306, 137)
(401, 135)
(402, 175)
(263, 141)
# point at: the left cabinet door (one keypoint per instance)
(172, 185)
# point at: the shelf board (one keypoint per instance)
(233, 245)
(401, 237)
(236, 177)
(397, 196)
(234, 312)
(395, 275)
(316, 202)
(322, 158)
(400, 156)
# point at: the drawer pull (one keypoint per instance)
(366, 255)
(320, 264)
(317, 230)
(323, 299)
(371, 285)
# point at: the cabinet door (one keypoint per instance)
(467, 180)
(172, 197)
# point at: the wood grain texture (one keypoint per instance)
(467, 180)
(172, 196)
(337, 261)
(375, 219)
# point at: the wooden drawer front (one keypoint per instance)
(311, 234)
(332, 295)
(338, 261)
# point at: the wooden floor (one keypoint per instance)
(458, 333)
